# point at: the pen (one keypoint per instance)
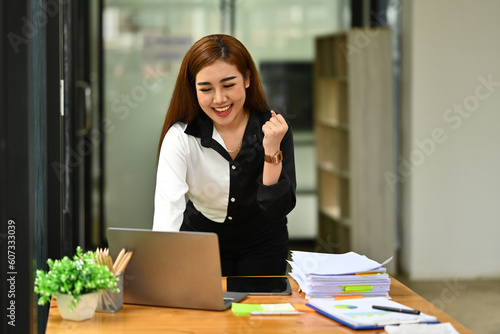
(395, 309)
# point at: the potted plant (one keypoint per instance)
(75, 283)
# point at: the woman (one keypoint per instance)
(233, 157)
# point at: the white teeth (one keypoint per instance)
(222, 109)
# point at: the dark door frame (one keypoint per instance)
(29, 139)
(44, 42)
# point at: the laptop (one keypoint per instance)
(172, 269)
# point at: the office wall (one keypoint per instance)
(450, 162)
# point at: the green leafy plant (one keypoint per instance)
(75, 277)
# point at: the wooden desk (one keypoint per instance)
(147, 319)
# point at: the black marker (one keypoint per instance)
(395, 309)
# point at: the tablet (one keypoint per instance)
(259, 285)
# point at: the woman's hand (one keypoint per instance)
(274, 131)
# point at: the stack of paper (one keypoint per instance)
(331, 275)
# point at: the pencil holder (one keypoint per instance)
(110, 301)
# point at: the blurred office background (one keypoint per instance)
(70, 171)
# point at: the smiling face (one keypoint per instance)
(220, 89)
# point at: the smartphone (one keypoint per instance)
(259, 285)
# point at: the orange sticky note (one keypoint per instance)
(347, 297)
(303, 308)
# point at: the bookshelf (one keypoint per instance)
(331, 121)
(355, 138)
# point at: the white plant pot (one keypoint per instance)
(84, 310)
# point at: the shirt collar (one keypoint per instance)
(202, 126)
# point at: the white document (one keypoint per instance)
(359, 313)
(313, 263)
(444, 328)
(329, 275)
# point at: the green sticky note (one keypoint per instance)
(243, 309)
(357, 288)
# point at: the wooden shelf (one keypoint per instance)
(333, 193)
(331, 100)
(333, 147)
(332, 141)
(330, 168)
(334, 214)
(330, 55)
(355, 141)
(333, 124)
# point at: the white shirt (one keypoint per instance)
(193, 160)
(179, 172)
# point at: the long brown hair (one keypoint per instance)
(184, 105)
